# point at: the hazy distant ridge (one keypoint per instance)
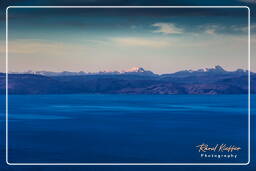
(134, 70)
(134, 81)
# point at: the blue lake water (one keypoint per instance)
(124, 128)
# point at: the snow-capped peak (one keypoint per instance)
(135, 69)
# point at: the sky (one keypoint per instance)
(161, 40)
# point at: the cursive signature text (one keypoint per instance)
(217, 148)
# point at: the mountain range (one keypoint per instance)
(133, 81)
(134, 70)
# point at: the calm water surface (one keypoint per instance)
(124, 128)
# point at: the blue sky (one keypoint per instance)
(161, 40)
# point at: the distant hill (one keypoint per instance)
(134, 81)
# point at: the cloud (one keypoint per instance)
(141, 42)
(167, 28)
(213, 29)
(244, 29)
(233, 29)
(210, 31)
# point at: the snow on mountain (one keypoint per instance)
(135, 69)
(138, 71)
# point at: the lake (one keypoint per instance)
(95, 128)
